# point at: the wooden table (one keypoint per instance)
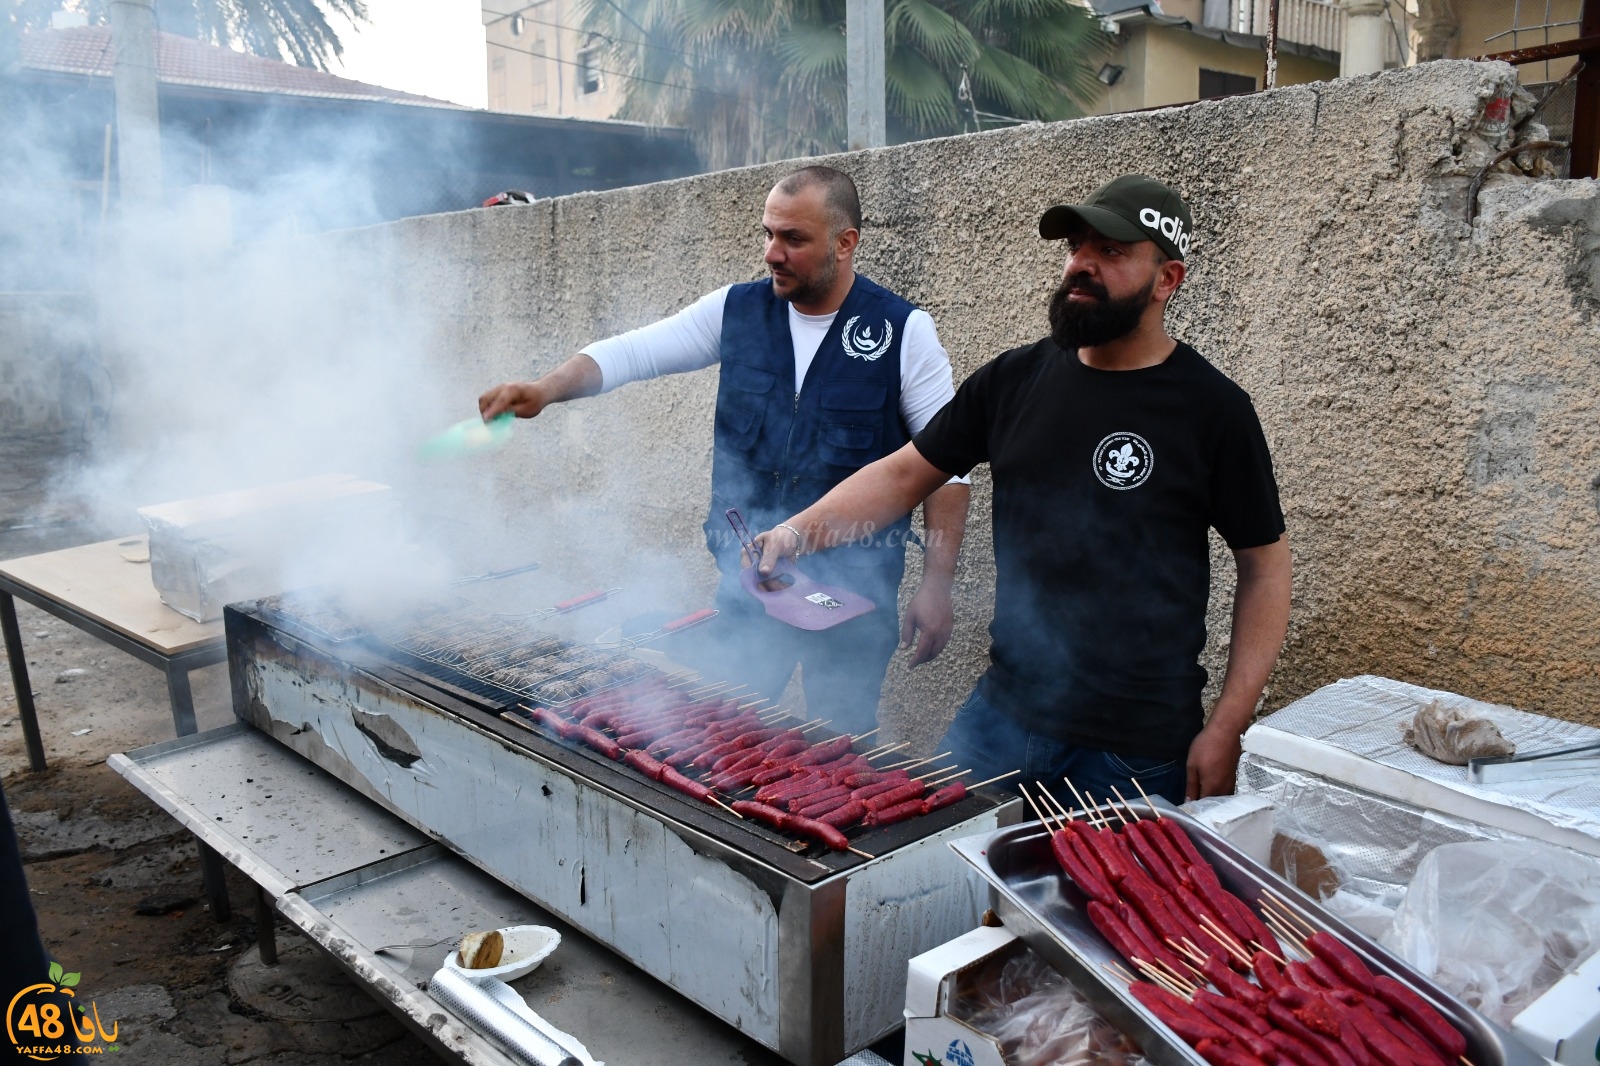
(105, 590)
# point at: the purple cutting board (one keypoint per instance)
(804, 604)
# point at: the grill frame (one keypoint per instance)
(804, 953)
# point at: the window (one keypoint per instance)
(589, 71)
(516, 25)
(1219, 83)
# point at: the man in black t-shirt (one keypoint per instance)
(1114, 449)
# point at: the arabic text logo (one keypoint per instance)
(43, 1021)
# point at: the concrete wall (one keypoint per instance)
(1429, 388)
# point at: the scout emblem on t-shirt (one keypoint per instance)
(1123, 461)
(864, 343)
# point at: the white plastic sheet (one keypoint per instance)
(1499, 922)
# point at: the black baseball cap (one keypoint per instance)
(1130, 208)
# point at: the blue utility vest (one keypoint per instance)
(779, 449)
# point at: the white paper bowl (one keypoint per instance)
(526, 946)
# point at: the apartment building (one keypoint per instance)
(540, 62)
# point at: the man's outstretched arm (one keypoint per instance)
(860, 505)
(1260, 620)
(929, 616)
(577, 377)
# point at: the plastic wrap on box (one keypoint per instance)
(1354, 850)
(1037, 1017)
(215, 550)
(1499, 922)
(1354, 729)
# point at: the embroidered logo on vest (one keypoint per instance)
(863, 343)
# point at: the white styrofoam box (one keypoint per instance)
(214, 550)
(1350, 732)
(1244, 820)
(1564, 1023)
(944, 1041)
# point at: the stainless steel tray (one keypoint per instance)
(1041, 905)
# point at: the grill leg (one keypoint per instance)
(266, 932)
(20, 683)
(182, 701)
(214, 873)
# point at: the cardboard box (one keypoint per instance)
(932, 1039)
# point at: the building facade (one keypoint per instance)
(541, 62)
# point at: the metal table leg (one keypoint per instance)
(182, 700)
(266, 932)
(214, 873)
(20, 682)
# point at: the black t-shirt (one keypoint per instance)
(1105, 484)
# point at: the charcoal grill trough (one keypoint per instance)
(800, 947)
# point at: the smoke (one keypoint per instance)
(202, 348)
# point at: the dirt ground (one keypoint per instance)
(115, 881)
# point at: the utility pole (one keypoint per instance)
(865, 125)
(133, 76)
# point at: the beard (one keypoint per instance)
(812, 288)
(1078, 325)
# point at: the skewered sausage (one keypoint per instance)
(1226, 1054)
(643, 763)
(1176, 1014)
(1416, 1011)
(911, 790)
(899, 812)
(1087, 878)
(1341, 960)
(819, 831)
(945, 797)
(846, 816)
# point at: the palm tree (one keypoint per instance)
(755, 80)
(295, 30)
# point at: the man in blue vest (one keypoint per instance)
(821, 373)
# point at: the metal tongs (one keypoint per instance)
(1580, 761)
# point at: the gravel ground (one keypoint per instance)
(115, 881)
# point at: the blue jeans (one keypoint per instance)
(992, 744)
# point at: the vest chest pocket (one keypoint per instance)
(850, 434)
(743, 393)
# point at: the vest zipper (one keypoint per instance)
(777, 475)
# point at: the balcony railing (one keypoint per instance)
(1316, 23)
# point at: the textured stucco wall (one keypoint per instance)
(1428, 388)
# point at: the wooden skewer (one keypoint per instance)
(1284, 934)
(863, 854)
(946, 780)
(1183, 978)
(1221, 936)
(1289, 913)
(754, 703)
(919, 762)
(1118, 813)
(1126, 806)
(881, 748)
(1062, 811)
(1287, 919)
(891, 749)
(992, 780)
(1120, 971)
(725, 807)
(1105, 821)
(1259, 946)
(1081, 801)
(1146, 795)
(1162, 979)
(1187, 949)
(815, 725)
(935, 772)
(868, 733)
(1035, 806)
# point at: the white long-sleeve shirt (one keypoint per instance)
(692, 340)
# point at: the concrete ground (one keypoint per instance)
(115, 881)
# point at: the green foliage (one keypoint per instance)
(298, 31)
(755, 80)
